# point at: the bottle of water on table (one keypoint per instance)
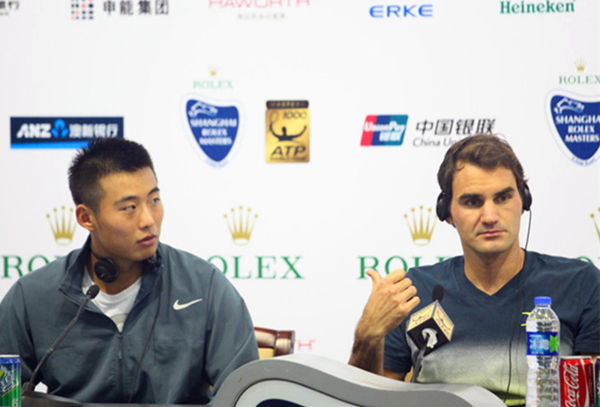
(543, 382)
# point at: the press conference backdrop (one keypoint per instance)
(296, 142)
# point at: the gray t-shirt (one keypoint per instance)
(489, 330)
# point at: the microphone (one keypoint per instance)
(91, 293)
(429, 328)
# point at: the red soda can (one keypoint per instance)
(576, 381)
(598, 382)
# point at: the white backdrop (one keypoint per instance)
(458, 60)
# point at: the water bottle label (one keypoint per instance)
(542, 343)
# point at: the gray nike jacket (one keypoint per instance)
(188, 329)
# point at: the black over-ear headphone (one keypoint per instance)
(106, 270)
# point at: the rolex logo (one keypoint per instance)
(241, 222)
(62, 224)
(580, 65)
(596, 222)
(420, 228)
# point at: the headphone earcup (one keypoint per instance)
(106, 270)
(527, 198)
(441, 207)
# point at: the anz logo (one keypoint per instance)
(401, 10)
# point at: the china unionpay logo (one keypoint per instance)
(384, 130)
(214, 128)
(575, 123)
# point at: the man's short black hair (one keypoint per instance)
(102, 157)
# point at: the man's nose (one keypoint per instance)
(489, 212)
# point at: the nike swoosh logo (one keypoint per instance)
(178, 307)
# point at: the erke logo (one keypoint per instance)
(401, 11)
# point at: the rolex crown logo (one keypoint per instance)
(62, 224)
(596, 222)
(580, 65)
(241, 224)
(421, 229)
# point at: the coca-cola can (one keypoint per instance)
(598, 382)
(576, 381)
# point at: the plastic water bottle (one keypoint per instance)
(543, 338)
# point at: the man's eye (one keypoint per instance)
(472, 202)
(503, 198)
(128, 208)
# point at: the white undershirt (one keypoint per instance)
(116, 306)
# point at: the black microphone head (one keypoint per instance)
(438, 293)
(92, 292)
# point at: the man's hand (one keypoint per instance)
(392, 299)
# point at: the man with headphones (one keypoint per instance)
(487, 291)
(166, 328)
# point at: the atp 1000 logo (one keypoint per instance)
(287, 131)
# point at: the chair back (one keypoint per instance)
(272, 342)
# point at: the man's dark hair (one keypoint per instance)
(102, 157)
(484, 151)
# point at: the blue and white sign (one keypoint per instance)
(214, 127)
(62, 132)
(575, 123)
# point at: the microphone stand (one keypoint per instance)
(418, 365)
(91, 293)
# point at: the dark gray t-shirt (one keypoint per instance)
(489, 329)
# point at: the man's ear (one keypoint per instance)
(450, 221)
(85, 217)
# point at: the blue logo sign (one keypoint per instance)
(215, 128)
(576, 125)
(384, 130)
(63, 132)
(401, 11)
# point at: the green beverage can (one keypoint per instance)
(10, 381)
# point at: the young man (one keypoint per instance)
(487, 290)
(166, 325)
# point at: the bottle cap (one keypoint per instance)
(542, 301)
